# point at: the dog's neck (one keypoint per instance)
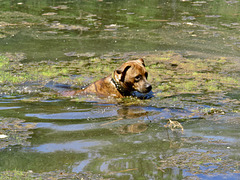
(120, 88)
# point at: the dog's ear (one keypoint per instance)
(141, 61)
(122, 72)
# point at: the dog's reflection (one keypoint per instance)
(129, 113)
(133, 128)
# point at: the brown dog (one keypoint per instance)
(130, 77)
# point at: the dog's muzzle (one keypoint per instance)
(148, 87)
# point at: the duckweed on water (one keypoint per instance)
(200, 162)
(19, 18)
(16, 132)
(170, 73)
(30, 175)
(178, 75)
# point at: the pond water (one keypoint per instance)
(53, 29)
(129, 138)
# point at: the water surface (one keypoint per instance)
(54, 30)
(127, 139)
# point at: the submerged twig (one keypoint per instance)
(111, 122)
(125, 170)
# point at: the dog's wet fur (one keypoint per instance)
(130, 77)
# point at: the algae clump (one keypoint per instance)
(169, 73)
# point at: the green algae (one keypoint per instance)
(16, 132)
(3, 62)
(200, 162)
(19, 18)
(10, 20)
(178, 75)
(30, 175)
(170, 73)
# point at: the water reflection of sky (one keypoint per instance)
(74, 115)
(5, 108)
(166, 113)
(70, 127)
(73, 146)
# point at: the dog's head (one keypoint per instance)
(132, 76)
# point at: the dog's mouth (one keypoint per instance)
(146, 89)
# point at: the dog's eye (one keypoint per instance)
(146, 75)
(138, 78)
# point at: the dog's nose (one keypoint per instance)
(148, 87)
